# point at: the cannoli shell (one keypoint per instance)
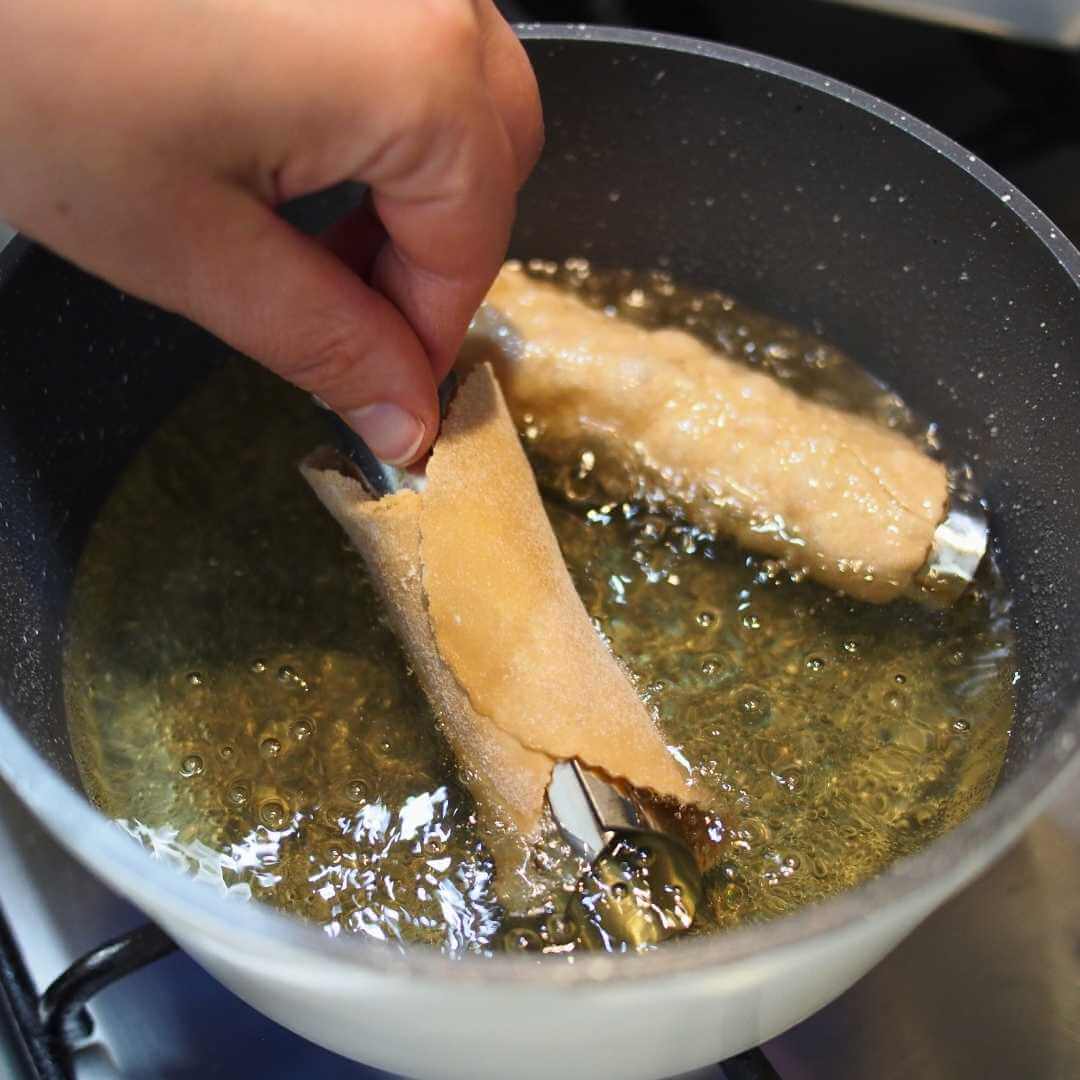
(477, 590)
(836, 495)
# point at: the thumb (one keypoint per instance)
(287, 302)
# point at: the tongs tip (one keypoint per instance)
(377, 477)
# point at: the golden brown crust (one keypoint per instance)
(851, 503)
(477, 591)
(505, 778)
(506, 616)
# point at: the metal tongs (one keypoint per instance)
(643, 884)
(378, 478)
(957, 549)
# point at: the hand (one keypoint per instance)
(149, 142)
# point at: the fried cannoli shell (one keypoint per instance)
(851, 503)
(477, 590)
(508, 780)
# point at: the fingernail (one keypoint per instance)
(392, 434)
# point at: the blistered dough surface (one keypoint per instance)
(476, 588)
(506, 616)
(852, 503)
(505, 778)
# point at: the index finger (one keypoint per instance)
(445, 246)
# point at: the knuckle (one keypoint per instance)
(330, 361)
(451, 28)
(444, 91)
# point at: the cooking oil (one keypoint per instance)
(239, 705)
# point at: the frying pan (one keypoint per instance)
(803, 197)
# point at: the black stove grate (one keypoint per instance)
(49, 1028)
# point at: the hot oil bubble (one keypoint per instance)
(752, 704)
(815, 664)
(194, 678)
(734, 896)
(239, 794)
(521, 939)
(287, 674)
(303, 729)
(560, 929)
(579, 488)
(688, 542)
(792, 779)
(730, 871)
(273, 814)
(896, 700)
(755, 832)
(712, 665)
(357, 790)
(707, 619)
(652, 528)
(258, 666)
(192, 765)
(270, 748)
(226, 752)
(334, 815)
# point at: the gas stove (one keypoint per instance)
(988, 987)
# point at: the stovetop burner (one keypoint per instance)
(989, 987)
